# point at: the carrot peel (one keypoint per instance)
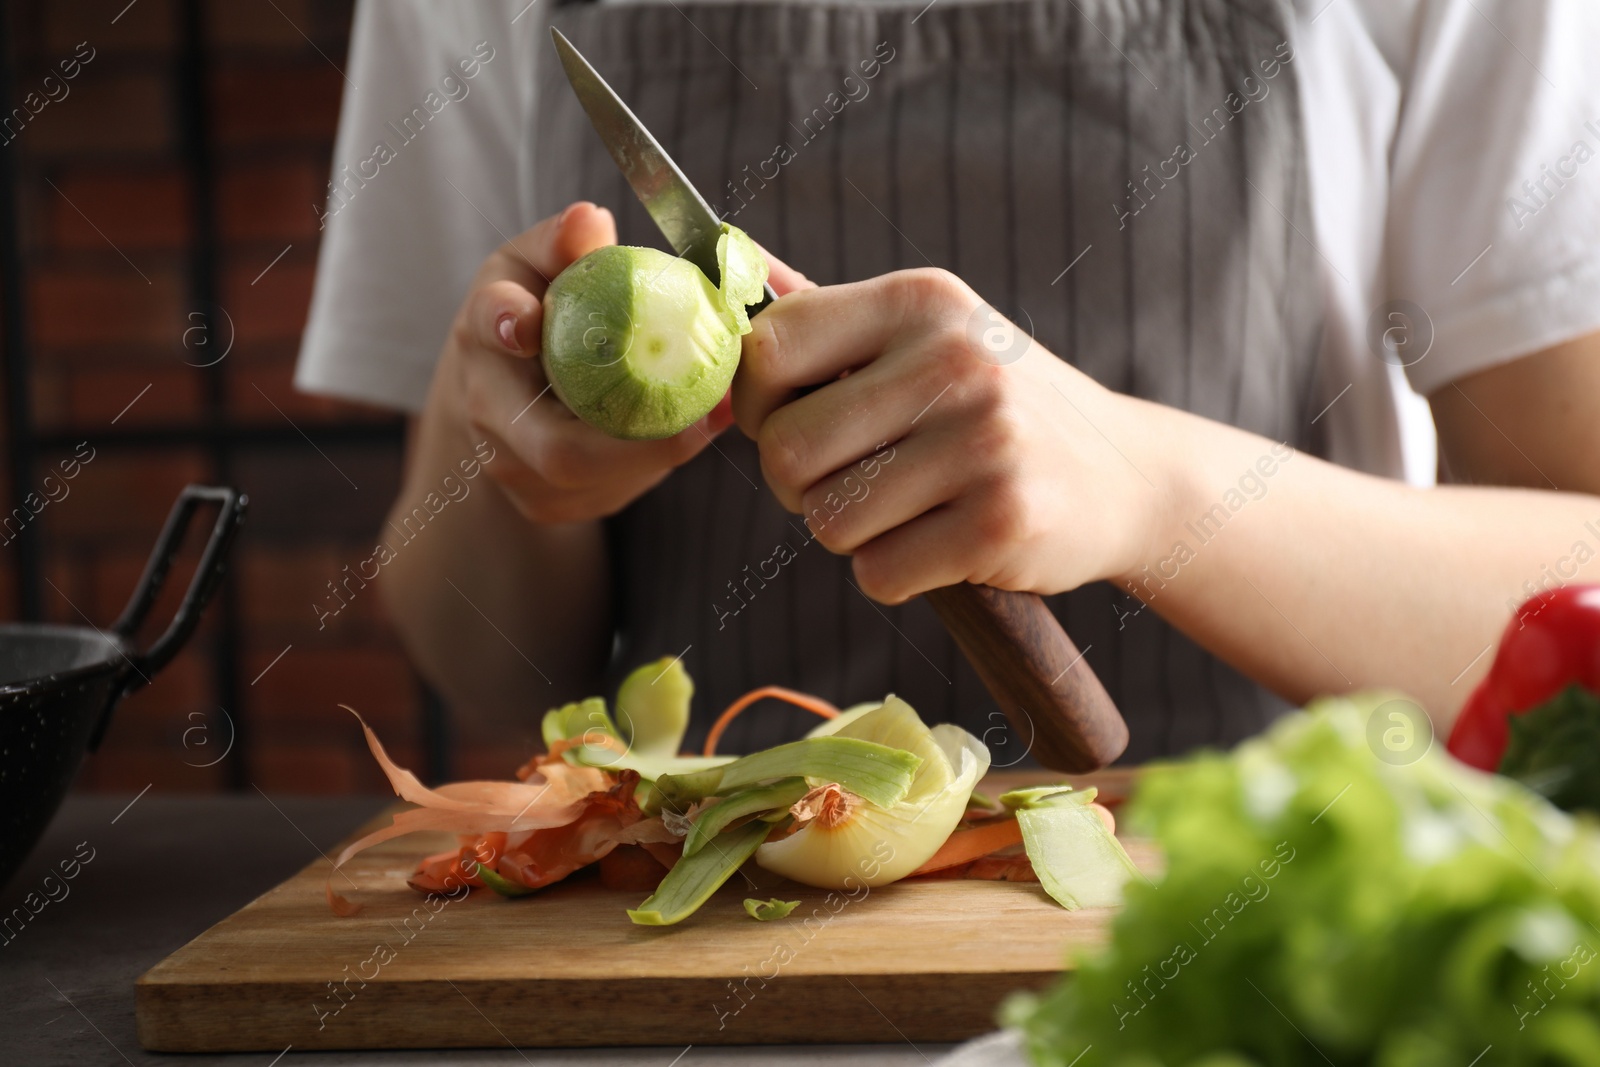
(816, 705)
(978, 841)
(554, 794)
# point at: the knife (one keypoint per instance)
(1030, 666)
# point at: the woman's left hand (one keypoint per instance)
(943, 445)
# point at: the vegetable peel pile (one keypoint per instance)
(1322, 905)
(870, 796)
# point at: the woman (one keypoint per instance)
(1228, 231)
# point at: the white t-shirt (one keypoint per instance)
(1454, 150)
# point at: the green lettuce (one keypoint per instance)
(1320, 905)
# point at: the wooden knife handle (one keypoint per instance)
(1036, 674)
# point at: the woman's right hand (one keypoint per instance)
(552, 467)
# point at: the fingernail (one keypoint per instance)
(506, 329)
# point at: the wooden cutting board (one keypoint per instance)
(918, 961)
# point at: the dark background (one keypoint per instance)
(145, 216)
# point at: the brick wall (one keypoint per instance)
(108, 215)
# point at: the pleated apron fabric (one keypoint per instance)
(1124, 178)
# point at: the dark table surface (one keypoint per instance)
(163, 870)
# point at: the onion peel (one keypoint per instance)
(875, 844)
(829, 805)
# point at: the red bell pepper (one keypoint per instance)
(1552, 643)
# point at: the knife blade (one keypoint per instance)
(672, 201)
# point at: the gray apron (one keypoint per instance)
(1006, 141)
